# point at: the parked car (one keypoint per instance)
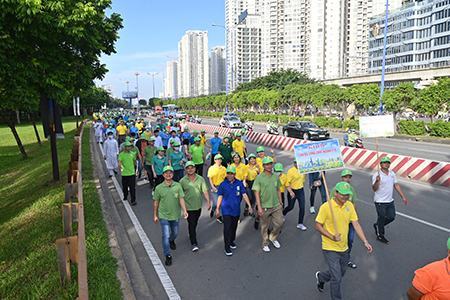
(230, 122)
(305, 130)
(180, 115)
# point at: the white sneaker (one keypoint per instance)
(312, 210)
(276, 244)
(266, 249)
(301, 227)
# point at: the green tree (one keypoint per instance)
(399, 98)
(365, 96)
(433, 99)
(52, 49)
(275, 80)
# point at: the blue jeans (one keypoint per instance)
(300, 196)
(169, 233)
(214, 198)
(323, 194)
(351, 237)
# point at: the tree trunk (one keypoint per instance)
(52, 132)
(36, 132)
(18, 116)
(18, 141)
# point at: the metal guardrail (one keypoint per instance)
(71, 248)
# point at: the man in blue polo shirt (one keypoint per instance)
(230, 192)
(215, 143)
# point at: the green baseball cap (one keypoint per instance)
(161, 149)
(385, 160)
(346, 172)
(195, 132)
(167, 168)
(448, 243)
(218, 156)
(235, 154)
(278, 167)
(176, 144)
(238, 134)
(127, 138)
(197, 139)
(343, 188)
(127, 144)
(189, 164)
(267, 160)
(216, 132)
(260, 149)
(151, 139)
(251, 155)
(231, 169)
(203, 131)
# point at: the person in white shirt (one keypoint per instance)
(158, 139)
(111, 151)
(174, 139)
(383, 184)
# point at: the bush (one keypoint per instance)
(411, 127)
(350, 123)
(439, 128)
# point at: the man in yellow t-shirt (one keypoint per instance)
(260, 152)
(294, 185)
(332, 222)
(239, 146)
(203, 137)
(216, 175)
(121, 130)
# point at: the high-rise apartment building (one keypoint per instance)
(170, 81)
(217, 70)
(193, 64)
(418, 37)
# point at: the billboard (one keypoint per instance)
(376, 126)
(129, 95)
(318, 156)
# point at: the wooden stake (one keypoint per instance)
(329, 203)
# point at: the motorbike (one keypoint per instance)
(196, 120)
(355, 142)
(272, 128)
(248, 126)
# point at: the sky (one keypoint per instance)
(149, 37)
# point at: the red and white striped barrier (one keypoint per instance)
(433, 172)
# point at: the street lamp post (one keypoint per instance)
(383, 65)
(153, 74)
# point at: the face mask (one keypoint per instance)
(176, 148)
(110, 137)
(277, 173)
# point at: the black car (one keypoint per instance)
(305, 130)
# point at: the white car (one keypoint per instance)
(230, 122)
(180, 115)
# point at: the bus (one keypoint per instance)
(170, 110)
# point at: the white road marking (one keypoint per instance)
(148, 246)
(447, 230)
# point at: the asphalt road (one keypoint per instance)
(289, 272)
(433, 151)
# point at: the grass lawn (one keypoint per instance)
(30, 221)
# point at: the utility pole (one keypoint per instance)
(383, 65)
(153, 74)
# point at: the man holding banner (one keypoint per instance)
(333, 222)
(383, 184)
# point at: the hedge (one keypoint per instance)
(412, 127)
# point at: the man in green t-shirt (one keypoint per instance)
(268, 199)
(197, 153)
(194, 188)
(225, 150)
(168, 202)
(127, 166)
(149, 152)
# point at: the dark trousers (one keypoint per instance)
(178, 174)
(250, 194)
(386, 214)
(300, 196)
(199, 169)
(323, 194)
(193, 216)
(158, 180)
(121, 139)
(129, 182)
(337, 265)
(229, 230)
(351, 237)
(212, 158)
(148, 169)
